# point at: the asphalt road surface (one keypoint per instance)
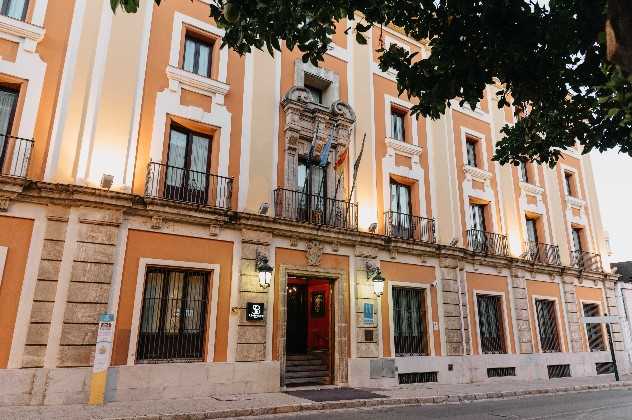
(610, 405)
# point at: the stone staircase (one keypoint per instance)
(307, 369)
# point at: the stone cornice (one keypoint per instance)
(477, 173)
(575, 202)
(196, 83)
(128, 204)
(531, 189)
(403, 147)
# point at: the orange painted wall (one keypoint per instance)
(296, 258)
(460, 120)
(179, 248)
(15, 234)
(540, 288)
(408, 273)
(488, 283)
(52, 50)
(156, 81)
(590, 294)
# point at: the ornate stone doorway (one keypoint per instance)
(338, 341)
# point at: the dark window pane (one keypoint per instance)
(409, 320)
(490, 324)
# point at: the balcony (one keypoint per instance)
(407, 227)
(587, 261)
(487, 243)
(15, 155)
(187, 186)
(542, 253)
(315, 209)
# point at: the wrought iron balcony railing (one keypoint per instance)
(488, 243)
(588, 261)
(15, 155)
(404, 226)
(186, 186)
(315, 209)
(542, 253)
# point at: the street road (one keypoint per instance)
(610, 405)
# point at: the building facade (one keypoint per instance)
(207, 200)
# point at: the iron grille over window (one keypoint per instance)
(547, 325)
(490, 324)
(173, 318)
(594, 332)
(409, 320)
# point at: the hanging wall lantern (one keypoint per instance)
(375, 275)
(264, 269)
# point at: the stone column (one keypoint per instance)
(570, 300)
(521, 307)
(455, 317)
(89, 288)
(251, 335)
(46, 287)
(367, 340)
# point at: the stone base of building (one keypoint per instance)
(473, 369)
(139, 382)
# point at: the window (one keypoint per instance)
(197, 56)
(577, 239)
(478, 217)
(490, 324)
(317, 94)
(397, 125)
(8, 100)
(409, 321)
(470, 145)
(524, 173)
(400, 210)
(569, 182)
(547, 325)
(187, 177)
(532, 231)
(15, 9)
(173, 317)
(594, 331)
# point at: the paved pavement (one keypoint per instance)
(280, 403)
(596, 405)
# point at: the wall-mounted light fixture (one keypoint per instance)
(264, 269)
(107, 181)
(373, 227)
(375, 275)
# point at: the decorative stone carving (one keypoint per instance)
(4, 204)
(214, 229)
(156, 223)
(335, 247)
(293, 242)
(314, 251)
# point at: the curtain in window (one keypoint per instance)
(409, 321)
(14, 8)
(152, 303)
(397, 126)
(7, 104)
(189, 55)
(478, 217)
(177, 158)
(471, 153)
(199, 163)
(577, 243)
(204, 59)
(532, 233)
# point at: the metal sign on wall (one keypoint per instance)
(254, 311)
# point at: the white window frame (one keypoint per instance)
(480, 138)
(213, 269)
(503, 299)
(3, 259)
(429, 321)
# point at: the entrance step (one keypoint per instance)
(307, 369)
(324, 380)
(307, 374)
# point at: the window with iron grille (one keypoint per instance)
(417, 377)
(499, 372)
(173, 318)
(547, 325)
(594, 332)
(409, 320)
(559, 371)
(490, 324)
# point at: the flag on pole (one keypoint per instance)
(324, 154)
(339, 165)
(356, 166)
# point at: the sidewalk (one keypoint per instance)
(276, 403)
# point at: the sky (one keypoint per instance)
(613, 179)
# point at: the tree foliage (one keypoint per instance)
(548, 60)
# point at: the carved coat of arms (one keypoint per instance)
(314, 252)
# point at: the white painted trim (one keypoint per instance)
(233, 319)
(503, 297)
(388, 104)
(39, 12)
(558, 319)
(198, 84)
(338, 52)
(276, 121)
(130, 158)
(61, 295)
(569, 343)
(428, 304)
(352, 309)
(31, 33)
(580, 314)
(270, 303)
(214, 269)
(512, 313)
(479, 137)
(23, 317)
(3, 259)
(179, 20)
(246, 136)
(65, 90)
(86, 142)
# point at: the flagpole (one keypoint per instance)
(356, 166)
